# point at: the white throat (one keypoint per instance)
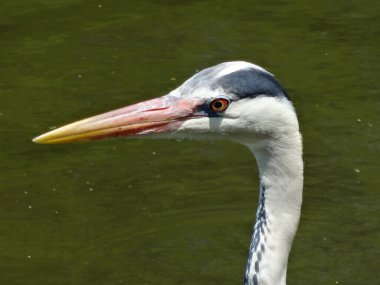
(281, 182)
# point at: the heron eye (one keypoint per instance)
(220, 104)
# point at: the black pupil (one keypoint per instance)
(218, 104)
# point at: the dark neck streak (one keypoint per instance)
(257, 247)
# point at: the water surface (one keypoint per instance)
(166, 212)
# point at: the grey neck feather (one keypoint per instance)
(277, 217)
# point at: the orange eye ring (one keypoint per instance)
(219, 104)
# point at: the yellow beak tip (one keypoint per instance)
(38, 140)
(43, 139)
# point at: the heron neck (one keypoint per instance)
(278, 213)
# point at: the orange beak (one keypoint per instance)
(163, 114)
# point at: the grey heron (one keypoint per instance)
(236, 101)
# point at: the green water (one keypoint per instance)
(166, 212)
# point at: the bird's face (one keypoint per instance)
(233, 100)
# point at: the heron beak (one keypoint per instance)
(158, 115)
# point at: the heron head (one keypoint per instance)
(233, 100)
